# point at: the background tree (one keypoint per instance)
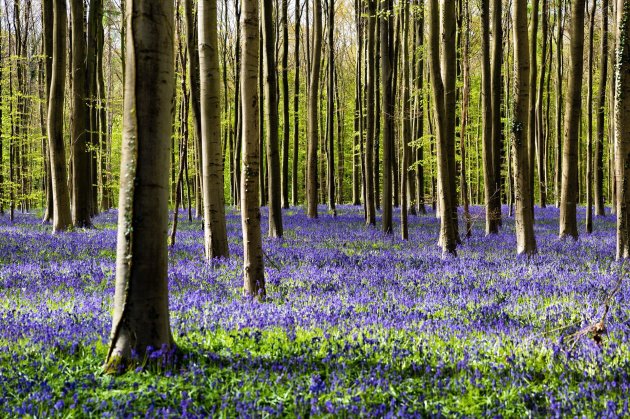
(525, 240)
(312, 186)
(215, 232)
(573, 104)
(598, 163)
(254, 279)
(387, 87)
(61, 197)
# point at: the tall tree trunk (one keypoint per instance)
(386, 34)
(295, 195)
(212, 184)
(465, 65)
(141, 316)
(286, 102)
(419, 103)
(81, 165)
(274, 184)
(525, 240)
(405, 134)
(370, 204)
(601, 105)
(559, 102)
(313, 111)
(589, 122)
(533, 75)
(448, 240)
(492, 226)
(330, 108)
(254, 279)
(497, 131)
(568, 197)
(541, 144)
(61, 198)
(622, 128)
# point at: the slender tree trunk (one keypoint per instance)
(330, 120)
(254, 279)
(61, 199)
(296, 110)
(215, 232)
(559, 102)
(313, 110)
(526, 242)
(465, 16)
(271, 116)
(406, 124)
(386, 34)
(447, 240)
(286, 103)
(370, 204)
(141, 316)
(419, 103)
(622, 128)
(568, 197)
(601, 105)
(589, 122)
(497, 132)
(533, 76)
(541, 145)
(81, 184)
(492, 226)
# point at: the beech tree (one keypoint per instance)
(254, 279)
(525, 239)
(61, 198)
(312, 186)
(215, 232)
(573, 104)
(141, 315)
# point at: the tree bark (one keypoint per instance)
(387, 84)
(568, 197)
(254, 279)
(497, 131)
(61, 198)
(313, 111)
(141, 316)
(212, 184)
(589, 123)
(286, 103)
(525, 240)
(370, 204)
(81, 165)
(601, 105)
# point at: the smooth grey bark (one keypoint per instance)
(598, 163)
(330, 111)
(313, 112)
(497, 132)
(525, 239)
(141, 315)
(253, 270)
(387, 83)
(569, 190)
(286, 103)
(589, 122)
(212, 184)
(370, 199)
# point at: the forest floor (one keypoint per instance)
(356, 323)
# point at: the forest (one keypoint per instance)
(327, 208)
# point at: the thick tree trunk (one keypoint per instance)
(215, 232)
(525, 240)
(254, 279)
(559, 102)
(141, 316)
(568, 197)
(61, 198)
(533, 76)
(81, 165)
(405, 134)
(313, 111)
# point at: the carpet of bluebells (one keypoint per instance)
(357, 324)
